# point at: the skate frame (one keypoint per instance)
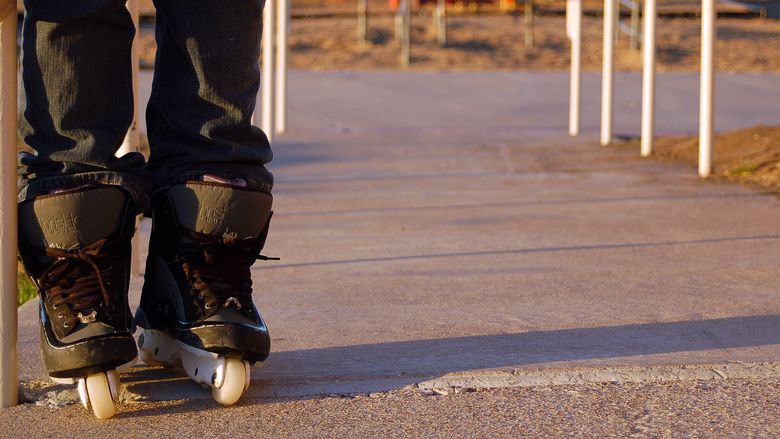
(274, 106)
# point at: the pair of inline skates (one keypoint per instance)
(196, 307)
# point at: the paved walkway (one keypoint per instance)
(439, 231)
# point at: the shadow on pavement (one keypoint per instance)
(311, 373)
(458, 354)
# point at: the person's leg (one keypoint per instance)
(212, 204)
(77, 97)
(78, 202)
(203, 96)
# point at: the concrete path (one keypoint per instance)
(438, 233)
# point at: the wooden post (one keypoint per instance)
(406, 37)
(362, 21)
(440, 15)
(634, 37)
(9, 362)
(528, 19)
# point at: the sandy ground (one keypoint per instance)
(750, 156)
(495, 42)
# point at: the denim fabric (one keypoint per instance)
(77, 95)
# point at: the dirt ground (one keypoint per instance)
(496, 42)
(750, 156)
(316, 7)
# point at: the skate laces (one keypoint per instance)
(76, 278)
(219, 268)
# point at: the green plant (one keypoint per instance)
(25, 287)
(744, 170)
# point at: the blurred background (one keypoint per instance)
(493, 35)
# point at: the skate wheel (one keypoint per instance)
(248, 376)
(99, 396)
(232, 383)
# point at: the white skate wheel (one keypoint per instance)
(232, 383)
(99, 394)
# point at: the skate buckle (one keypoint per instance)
(89, 318)
(234, 301)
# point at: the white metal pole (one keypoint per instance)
(574, 30)
(648, 79)
(133, 137)
(267, 82)
(706, 102)
(9, 368)
(608, 71)
(282, 31)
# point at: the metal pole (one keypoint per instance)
(528, 16)
(362, 30)
(9, 367)
(648, 78)
(406, 37)
(133, 137)
(608, 72)
(282, 31)
(267, 66)
(634, 38)
(574, 30)
(706, 103)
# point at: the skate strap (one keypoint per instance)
(72, 219)
(220, 209)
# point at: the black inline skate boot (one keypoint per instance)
(76, 247)
(196, 308)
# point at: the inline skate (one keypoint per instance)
(76, 246)
(196, 307)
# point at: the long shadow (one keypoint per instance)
(457, 354)
(530, 250)
(310, 373)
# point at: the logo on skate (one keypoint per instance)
(212, 215)
(60, 224)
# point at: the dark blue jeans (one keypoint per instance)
(77, 95)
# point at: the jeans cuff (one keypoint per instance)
(137, 186)
(257, 177)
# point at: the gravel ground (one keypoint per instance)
(721, 408)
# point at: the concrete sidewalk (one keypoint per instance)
(475, 247)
